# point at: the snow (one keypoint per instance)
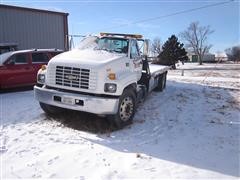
(190, 130)
(87, 56)
(157, 69)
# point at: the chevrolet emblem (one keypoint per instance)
(71, 77)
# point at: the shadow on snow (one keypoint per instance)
(189, 132)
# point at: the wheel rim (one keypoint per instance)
(126, 109)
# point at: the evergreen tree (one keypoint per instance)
(172, 52)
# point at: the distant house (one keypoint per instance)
(221, 56)
(206, 58)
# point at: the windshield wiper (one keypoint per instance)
(104, 49)
(108, 50)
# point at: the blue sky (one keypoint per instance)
(97, 16)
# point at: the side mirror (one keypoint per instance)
(145, 47)
(11, 62)
(144, 57)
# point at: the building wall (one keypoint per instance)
(32, 29)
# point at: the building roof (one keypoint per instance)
(33, 9)
(11, 44)
(221, 54)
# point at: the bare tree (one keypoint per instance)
(156, 46)
(196, 39)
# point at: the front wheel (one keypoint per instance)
(126, 109)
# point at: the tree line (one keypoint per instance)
(196, 41)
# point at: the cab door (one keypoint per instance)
(16, 71)
(136, 59)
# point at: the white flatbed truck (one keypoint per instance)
(105, 75)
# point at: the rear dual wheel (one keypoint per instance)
(161, 82)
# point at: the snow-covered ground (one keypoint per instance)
(191, 130)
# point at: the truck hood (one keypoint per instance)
(86, 57)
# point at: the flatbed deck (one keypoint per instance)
(157, 69)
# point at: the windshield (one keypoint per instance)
(4, 57)
(105, 43)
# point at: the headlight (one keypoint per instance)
(41, 78)
(110, 87)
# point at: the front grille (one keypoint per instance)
(72, 77)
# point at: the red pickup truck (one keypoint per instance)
(19, 68)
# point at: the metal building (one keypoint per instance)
(33, 28)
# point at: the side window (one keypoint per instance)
(40, 58)
(134, 50)
(18, 59)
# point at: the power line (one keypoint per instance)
(114, 1)
(171, 14)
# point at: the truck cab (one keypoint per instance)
(105, 75)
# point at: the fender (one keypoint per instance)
(126, 80)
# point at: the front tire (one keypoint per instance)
(126, 109)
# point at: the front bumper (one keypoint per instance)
(91, 104)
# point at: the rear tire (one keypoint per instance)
(126, 109)
(161, 82)
(49, 109)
